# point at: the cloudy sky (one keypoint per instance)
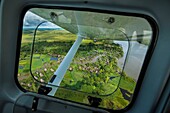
(32, 20)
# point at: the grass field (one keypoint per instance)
(93, 71)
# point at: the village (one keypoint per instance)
(93, 71)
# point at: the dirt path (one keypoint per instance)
(22, 77)
(94, 59)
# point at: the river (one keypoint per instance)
(135, 58)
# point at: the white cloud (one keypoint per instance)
(32, 20)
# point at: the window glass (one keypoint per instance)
(83, 56)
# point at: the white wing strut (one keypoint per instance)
(60, 72)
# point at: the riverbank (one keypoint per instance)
(135, 58)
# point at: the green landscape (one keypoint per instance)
(93, 71)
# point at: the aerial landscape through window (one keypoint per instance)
(107, 62)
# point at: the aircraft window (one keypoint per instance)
(86, 57)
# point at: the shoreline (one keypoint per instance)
(135, 58)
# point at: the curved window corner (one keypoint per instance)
(85, 57)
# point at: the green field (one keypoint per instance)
(93, 71)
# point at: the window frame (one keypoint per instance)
(149, 52)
